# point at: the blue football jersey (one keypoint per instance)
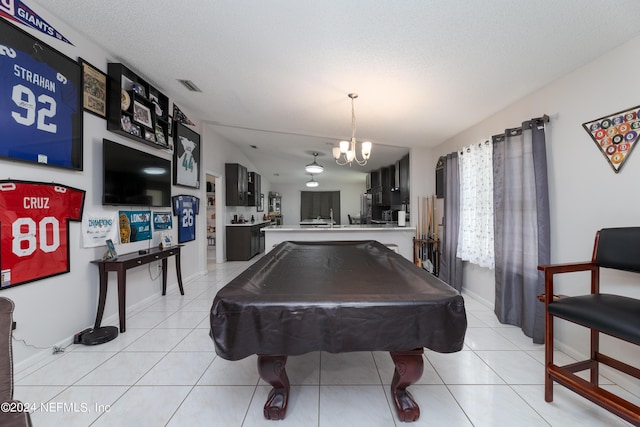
(37, 104)
(186, 207)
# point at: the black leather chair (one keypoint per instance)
(614, 315)
(8, 418)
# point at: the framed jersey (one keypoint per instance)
(40, 102)
(186, 207)
(34, 229)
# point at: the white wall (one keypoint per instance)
(216, 152)
(585, 193)
(349, 198)
(50, 311)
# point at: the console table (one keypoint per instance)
(126, 261)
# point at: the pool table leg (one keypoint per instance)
(409, 367)
(271, 369)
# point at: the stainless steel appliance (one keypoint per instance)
(365, 208)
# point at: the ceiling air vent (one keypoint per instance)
(190, 85)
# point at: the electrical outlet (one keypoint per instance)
(159, 267)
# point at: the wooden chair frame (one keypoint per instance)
(566, 375)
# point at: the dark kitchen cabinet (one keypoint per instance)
(403, 175)
(254, 189)
(245, 241)
(237, 184)
(387, 175)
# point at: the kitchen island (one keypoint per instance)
(396, 238)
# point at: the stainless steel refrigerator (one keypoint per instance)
(365, 208)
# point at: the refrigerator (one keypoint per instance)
(365, 208)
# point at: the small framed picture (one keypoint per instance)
(142, 114)
(94, 90)
(166, 240)
(160, 139)
(111, 253)
(125, 121)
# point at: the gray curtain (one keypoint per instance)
(521, 226)
(450, 265)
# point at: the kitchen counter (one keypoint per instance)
(398, 238)
(248, 224)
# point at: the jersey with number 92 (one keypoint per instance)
(37, 104)
(34, 229)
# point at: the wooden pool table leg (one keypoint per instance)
(271, 369)
(409, 367)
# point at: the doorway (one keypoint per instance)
(213, 242)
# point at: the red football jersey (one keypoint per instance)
(34, 230)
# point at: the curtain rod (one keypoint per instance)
(543, 119)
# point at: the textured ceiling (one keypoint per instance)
(276, 74)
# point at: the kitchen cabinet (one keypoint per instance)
(387, 173)
(403, 176)
(244, 241)
(253, 191)
(237, 184)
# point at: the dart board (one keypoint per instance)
(616, 135)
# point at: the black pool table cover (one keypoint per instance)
(336, 296)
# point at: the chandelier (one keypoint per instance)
(346, 153)
(314, 167)
(312, 182)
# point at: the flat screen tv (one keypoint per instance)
(134, 178)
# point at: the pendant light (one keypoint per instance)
(314, 167)
(346, 153)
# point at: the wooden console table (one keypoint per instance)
(121, 265)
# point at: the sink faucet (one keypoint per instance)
(331, 217)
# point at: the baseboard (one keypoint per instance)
(30, 364)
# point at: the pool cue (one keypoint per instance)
(418, 231)
(424, 227)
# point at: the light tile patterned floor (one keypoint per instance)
(164, 371)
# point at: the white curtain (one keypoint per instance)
(475, 236)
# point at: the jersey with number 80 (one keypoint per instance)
(37, 104)
(34, 229)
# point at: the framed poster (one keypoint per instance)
(94, 90)
(41, 106)
(186, 157)
(111, 253)
(135, 226)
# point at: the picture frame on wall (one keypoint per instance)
(44, 125)
(142, 114)
(94, 90)
(186, 157)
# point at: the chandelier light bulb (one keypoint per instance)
(344, 146)
(366, 149)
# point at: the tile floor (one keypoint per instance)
(164, 371)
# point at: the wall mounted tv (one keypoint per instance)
(134, 178)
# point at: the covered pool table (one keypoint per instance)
(337, 296)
